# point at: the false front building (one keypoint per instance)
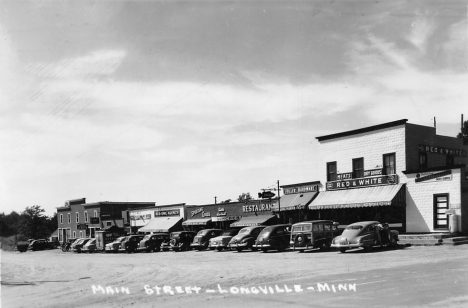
(400, 173)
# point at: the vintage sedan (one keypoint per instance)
(273, 238)
(313, 234)
(115, 245)
(40, 244)
(203, 237)
(245, 238)
(78, 246)
(90, 246)
(130, 244)
(365, 234)
(152, 242)
(180, 241)
(221, 242)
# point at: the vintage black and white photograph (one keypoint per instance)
(233, 153)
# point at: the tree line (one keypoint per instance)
(29, 224)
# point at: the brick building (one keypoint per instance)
(78, 219)
(397, 172)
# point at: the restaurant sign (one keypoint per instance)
(363, 182)
(167, 213)
(442, 150)
(434, 176)
(256, 207)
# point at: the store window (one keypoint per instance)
(74, 234)
(61, 218)
(85, 216)
(358, 167)
(95, 213)
(77, 217)
(331, 171)
(389, 163)
(422, 160)
(69, 217)
(450, 160)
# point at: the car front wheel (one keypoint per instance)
(342, 250)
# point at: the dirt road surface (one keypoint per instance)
(435, 276)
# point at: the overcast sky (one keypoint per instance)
(183, 101)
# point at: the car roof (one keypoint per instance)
(279, 226)
(364, 223)
(211, 230)
(312, 221)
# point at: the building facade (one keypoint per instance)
(78, 219)
(143, 216)
(397, 172)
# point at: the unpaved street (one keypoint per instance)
(412, 276)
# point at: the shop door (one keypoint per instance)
(441, 204)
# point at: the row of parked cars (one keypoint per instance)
(302, 236)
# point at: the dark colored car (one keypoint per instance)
(78, 245)
(22, 246)
(40, 244)
(152, 242)
(273, 238)
(313, 234)
(245, 238)
(203, 237)
(179, 241)
(115, 245)
(221, 242)
(365, 234)
(130, 244)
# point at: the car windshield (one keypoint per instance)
(120, 239)
(244, 231)
(202, 232)
(301, 228)
(147, 237)
(229, 233)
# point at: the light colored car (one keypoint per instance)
(365, 234)
(89, 246)
(221, 242)
(115, 245)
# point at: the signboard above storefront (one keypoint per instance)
(434, 176)
(300, 189)
(372, 172)
(442, 150)
(344, 176)
(82, 226)
(363, 182)
(167, 213)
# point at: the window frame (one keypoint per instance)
(450, 160)
(332, 176)
(384, 166)
(424, 164)
(356, 170)
(61, 219)
(69, 217)
(77, 217)
(86, 218)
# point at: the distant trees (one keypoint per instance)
(31, 223)
(244, 197)
(463, 134)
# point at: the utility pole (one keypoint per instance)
(279, 201)
(215, 200)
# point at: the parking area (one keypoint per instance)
(411, 276)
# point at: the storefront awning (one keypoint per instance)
(294, 201)
(361, 197)
(160, 224)
(197, 221)
(252, 220)
(225, 218)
